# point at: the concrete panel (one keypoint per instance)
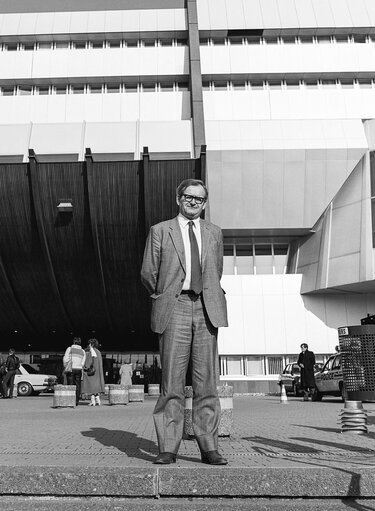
(293, 191)
(111, 137)
(61, 138)
(14, 139)
(44, 23)
(235, 14)
(345, 232)
(306, 15)
(218, 14)
(341, 13)
(166, 136)
(323, 13)
(288, 14)
(270, 14)
(253, 14)
(79, 22)
(27, 23)
(113, 21)
(10, 24)
(61, 23)
(358, 13)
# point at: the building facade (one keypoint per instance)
(281, 94)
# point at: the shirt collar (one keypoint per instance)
(184, 221)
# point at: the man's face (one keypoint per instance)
(188, 206)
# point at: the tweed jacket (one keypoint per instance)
(163, 272)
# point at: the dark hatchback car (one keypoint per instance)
(291, 378)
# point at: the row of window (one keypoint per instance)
(217, 85)
(255, 259)
(292, 39)
(255, 365)
(224, 85)
(41, 90)
(85, 45)
(204, 41)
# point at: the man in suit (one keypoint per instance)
(306, 361)
(182, 267)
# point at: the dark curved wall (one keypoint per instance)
(78, 273)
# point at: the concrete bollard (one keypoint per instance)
(118, 395)
(225, 393)
(153, 389)
(64, 396)
(106, 389)
(136, 393)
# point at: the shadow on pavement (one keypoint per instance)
(279, 444)
(336, 445)
(129, 443)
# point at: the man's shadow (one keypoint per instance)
(128, 443)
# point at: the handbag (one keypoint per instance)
(91, 370)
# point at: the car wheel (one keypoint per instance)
(24, 389)
(317, 396)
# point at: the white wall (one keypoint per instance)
(268, 315)
(136, 20)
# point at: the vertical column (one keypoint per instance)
(195, 78)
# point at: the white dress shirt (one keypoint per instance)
(184, 226)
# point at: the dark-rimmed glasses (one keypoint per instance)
(190, 198)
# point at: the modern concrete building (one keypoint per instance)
(281, 93)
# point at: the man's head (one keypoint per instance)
(304, 346)
(77, 340)
(11, 351)
(191, 198)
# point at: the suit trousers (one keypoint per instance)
(189, 334)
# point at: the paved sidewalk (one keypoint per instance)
(293, 449)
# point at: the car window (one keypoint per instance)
(287, 369)
(296, 369)
(328, 365)
(30, 369)
(337, 363)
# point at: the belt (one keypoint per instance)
(189, 292)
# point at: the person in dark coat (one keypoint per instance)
(93, 376)
(11, 367)
(306, 361)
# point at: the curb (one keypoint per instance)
(183, 482)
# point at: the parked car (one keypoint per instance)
(30, 381)
(329, 381)
(291, 378)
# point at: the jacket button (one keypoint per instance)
(176, 296)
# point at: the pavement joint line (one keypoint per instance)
(365, 452)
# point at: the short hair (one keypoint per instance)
(94, 343)
(304, 345)
(190, 182)
(77, 340)
(12, 351)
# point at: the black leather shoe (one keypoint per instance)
(213, 458)
(165, 458)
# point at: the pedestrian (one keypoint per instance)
(74, 361)
(126, 373)
(12, 365)
(182, 268)
(306, 361)
(93, 376)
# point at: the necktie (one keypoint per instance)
(196, 272)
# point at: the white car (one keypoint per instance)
(30, 381)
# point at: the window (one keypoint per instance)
(221, 85)
(77, 89)
(239, 85)
(311, 84)
(29, 46)
(112, 88)
(347, 84)
(149, 43)
(293, 84)
(275, 365)
(97, 44)
(365, 83)
(253, 40)
(274, 85)
(7, 91)
(131, 87)
(257, 85)
(42, 91)
(114, 44)
(60, 89)
(183, 86)
(329, 84)
(234, 366)
(219, 41)
(96, 89)
(62, 45)
(44, 45)
(244, 259)
(165, 42)
(25, 90)
(12, 46)
(148, 87)
(79, 45)
(341, 38)
(166, 87)
(254, 365)
(133, 43)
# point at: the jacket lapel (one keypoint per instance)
(176, 236)
(206, 234)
